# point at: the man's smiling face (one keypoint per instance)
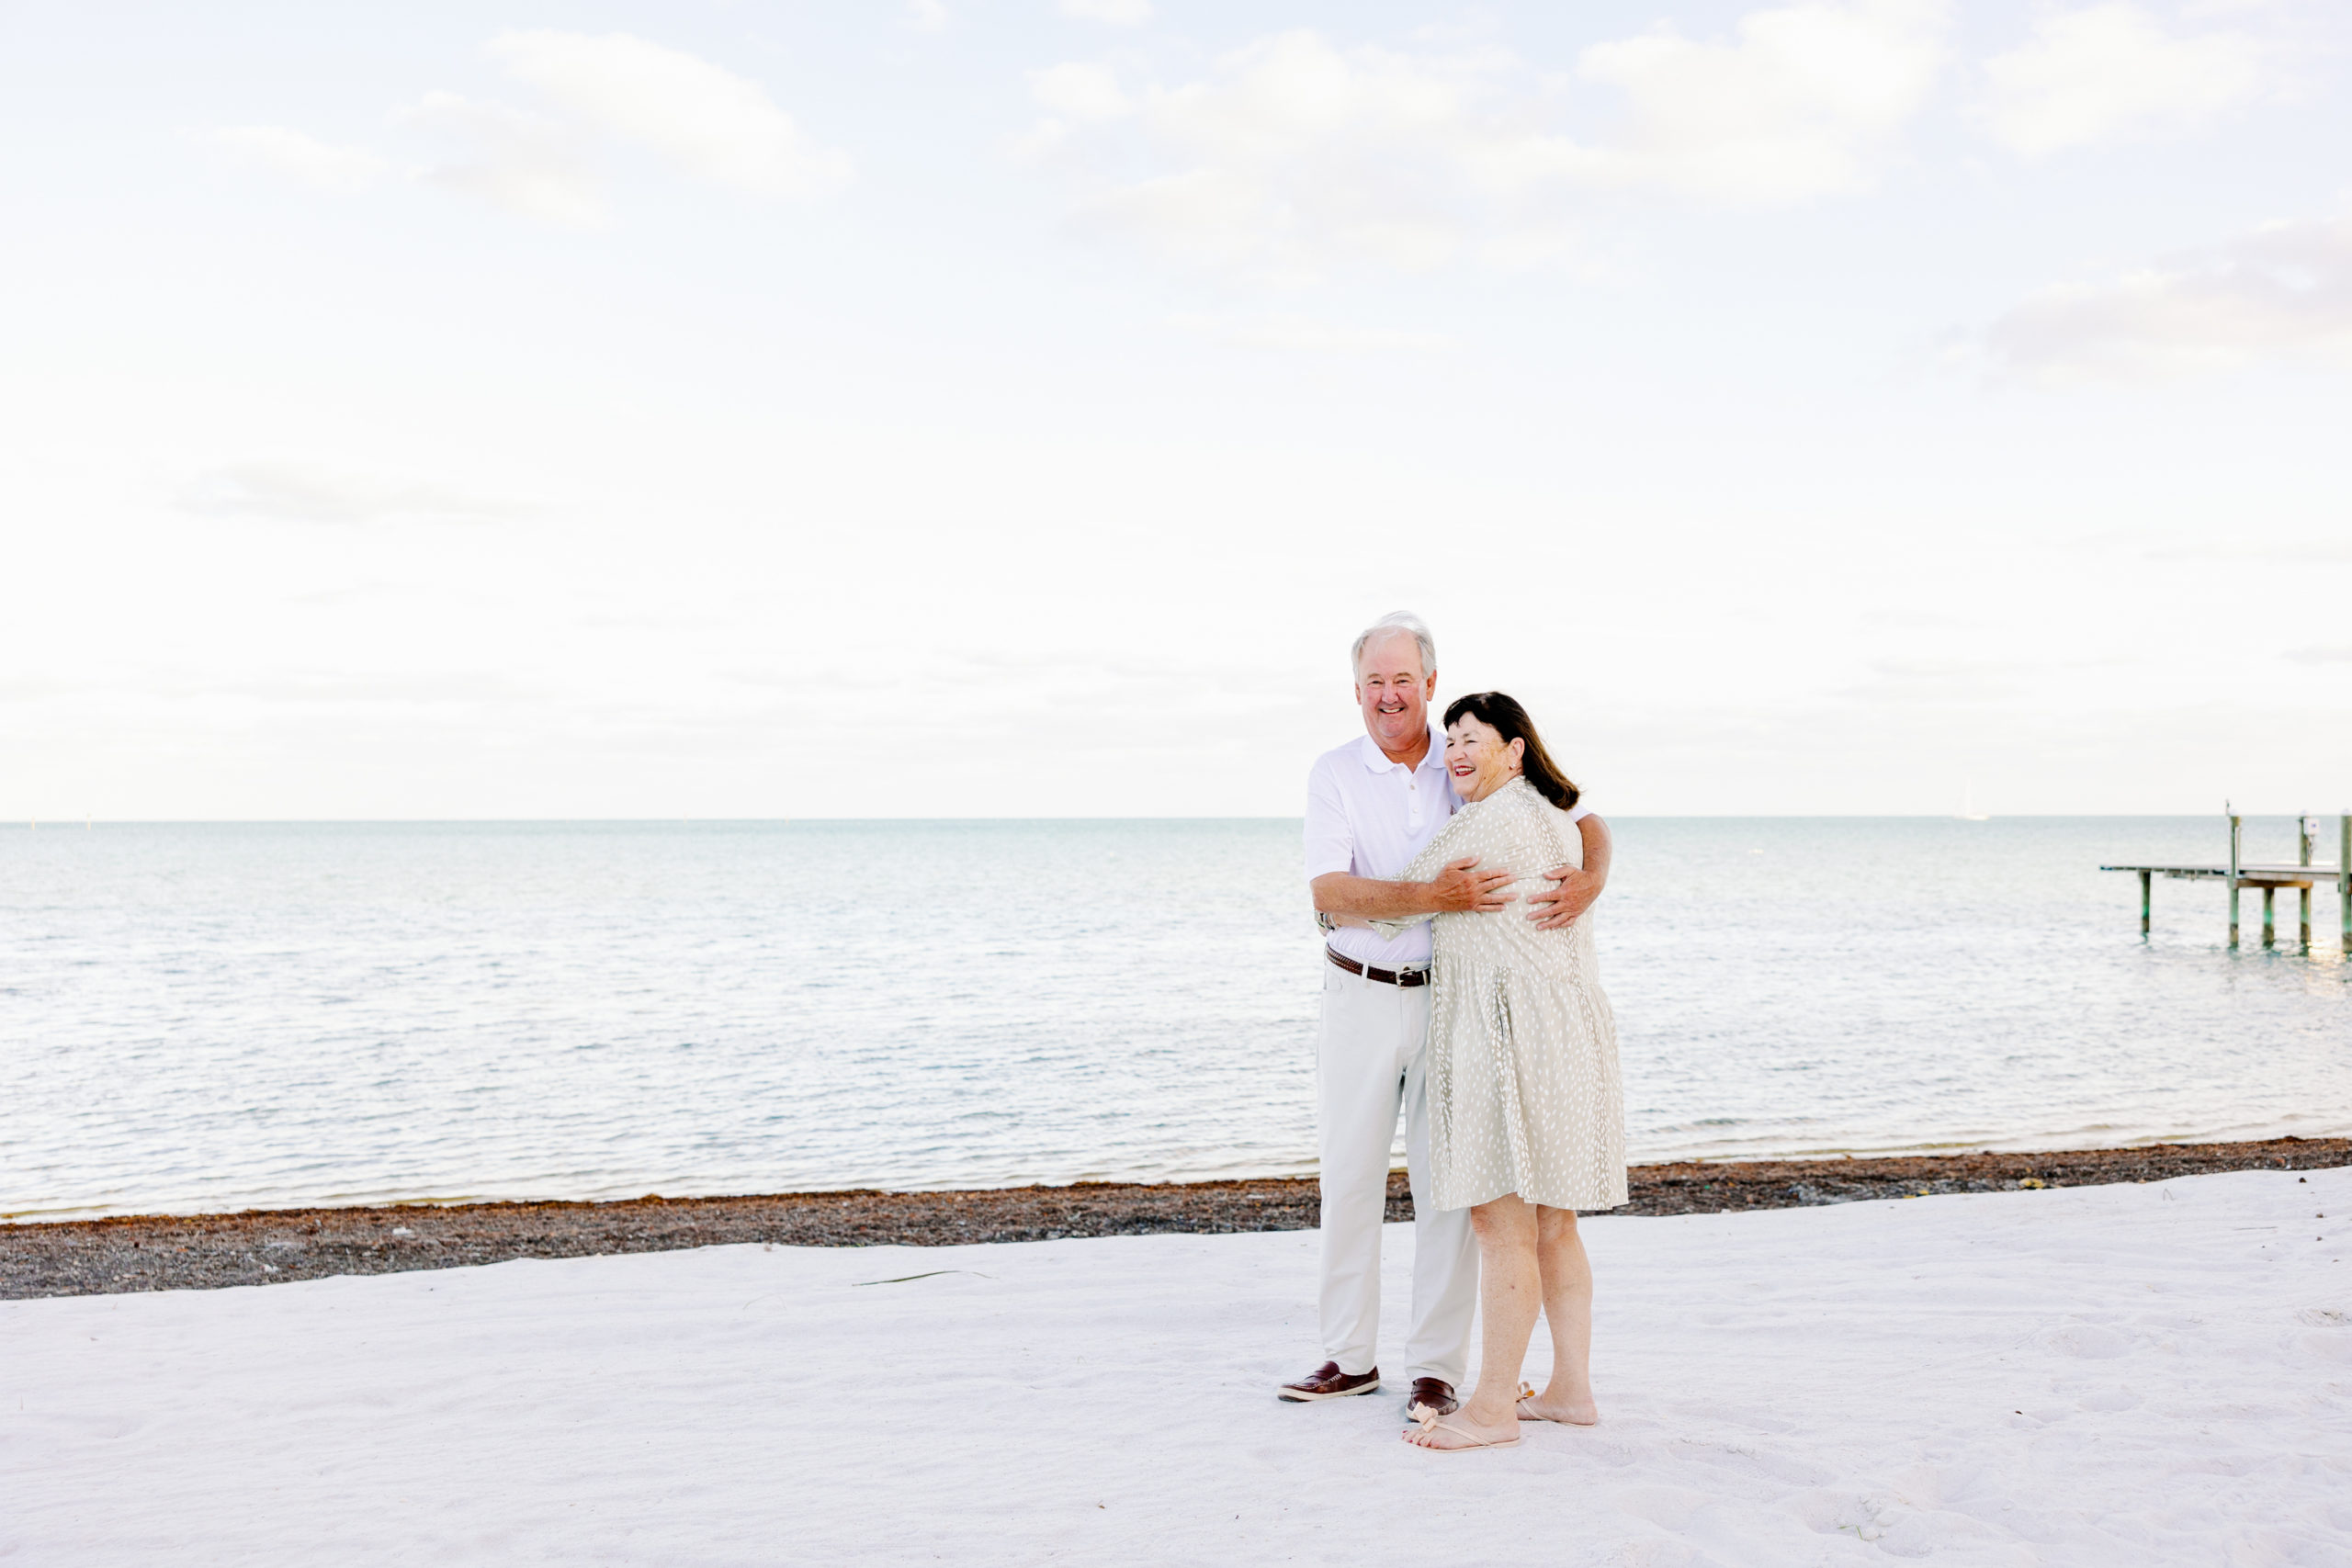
(1394, 690)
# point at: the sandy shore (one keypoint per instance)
(2152, 1374)
(202, 1252)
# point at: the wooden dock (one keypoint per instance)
(2240, 875)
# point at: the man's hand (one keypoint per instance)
(1572, 897)
(1458, 888)
(1577, 888)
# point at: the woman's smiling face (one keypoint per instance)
(1479, 759)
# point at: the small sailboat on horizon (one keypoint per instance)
(1968, 812)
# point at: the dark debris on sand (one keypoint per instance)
(203, 1252)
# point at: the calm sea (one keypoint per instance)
(218, 1017)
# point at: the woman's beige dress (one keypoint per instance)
(1524, 1095)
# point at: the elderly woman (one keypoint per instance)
(1527, 1121)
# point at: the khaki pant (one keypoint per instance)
(1370, 1062)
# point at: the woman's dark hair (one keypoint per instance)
(1509, 720)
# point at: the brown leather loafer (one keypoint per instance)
(1430, 1393)
(1327, 1381)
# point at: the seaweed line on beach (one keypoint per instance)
(213, 1251)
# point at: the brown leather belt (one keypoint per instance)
(1385, 977)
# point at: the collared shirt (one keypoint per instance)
(1369, 817)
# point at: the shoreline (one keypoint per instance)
(137, 1253)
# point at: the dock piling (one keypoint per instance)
(2303, 894)
(2237, 824)
(2146, 877)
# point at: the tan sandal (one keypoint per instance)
(1432, 1422)
(1526, 1393)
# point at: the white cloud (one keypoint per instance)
(1082, 92)
(1301, 334)
(2282, 291)
(1292, 150)
(2242, 548)
(709, 122)
(299, 492)
(2108, 74)
(522, 162)
(319, 164)
(1803, 103)
(928, 15)
(1117, 13)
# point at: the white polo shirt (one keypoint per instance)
(1369, 817)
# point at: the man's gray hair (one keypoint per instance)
(1396, 621)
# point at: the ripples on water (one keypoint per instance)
(216, 1017)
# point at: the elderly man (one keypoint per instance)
(1370, 805)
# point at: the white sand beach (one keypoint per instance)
(2143, 1374)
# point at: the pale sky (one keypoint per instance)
(1013, 407)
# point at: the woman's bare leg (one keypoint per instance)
(1568, 1307)
(1510, 1285)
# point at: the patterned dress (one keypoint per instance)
(1524, 1095)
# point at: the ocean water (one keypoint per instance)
(213, 1017)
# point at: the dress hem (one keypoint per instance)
(1619, 1201)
